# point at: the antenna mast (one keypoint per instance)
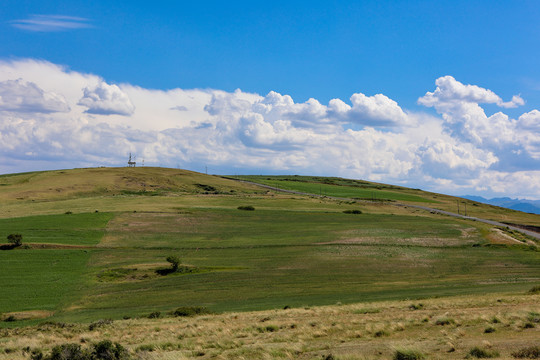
(131, 161)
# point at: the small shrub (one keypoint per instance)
(247, 208)
(528, 325)
(416, 306)
(534, 290)
(489, 330)
(268, 328)
(106, 350)
(408, 354)
(444, 321)
(145, 347)
(495, 320)
(154, 315)
(36, 354)
(190, 311)
(480, 353)
(534, 317)
(531, 352)
(99, 323)
(68, 212)
(174, 261)
(357, 212)
(10, 318)
(381, 333)
(15, 239)
(68, 352)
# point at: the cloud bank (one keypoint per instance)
(51, 117)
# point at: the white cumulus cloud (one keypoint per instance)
(52, 117)
(26, 97)
(105, 99)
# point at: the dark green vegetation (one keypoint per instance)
(83, 265)
(104, 350)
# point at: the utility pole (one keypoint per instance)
(457, 201)
(465, 209)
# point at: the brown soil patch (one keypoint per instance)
(428, 241)
(497, 236)
(27, 315)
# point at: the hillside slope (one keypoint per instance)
(96, 243)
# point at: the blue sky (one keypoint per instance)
(194, 55)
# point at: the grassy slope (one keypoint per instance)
(293, 250)
(367, 190)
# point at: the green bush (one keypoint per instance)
(534, 290)
(408, 354)
(352, 212)
(190, 311)
(15, 239)
(248, 208)
(103, 350)
(145, 347)
(174, 261)
(531, 352)
(154, 315)
(480, 353)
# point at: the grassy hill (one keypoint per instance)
(95, 243)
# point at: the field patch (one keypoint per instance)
(40, 279)
(68, 229)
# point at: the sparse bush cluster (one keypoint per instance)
(444, 321)
(190, 311)
(99, 323)
(356, 212)
(208, 189)
(247, 208)
(531, 352)
(103, 350)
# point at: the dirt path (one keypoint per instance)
(491, 222)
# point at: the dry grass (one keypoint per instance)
(357, 331)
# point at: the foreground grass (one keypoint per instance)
(377, 330)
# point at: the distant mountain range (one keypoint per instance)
(529, 206)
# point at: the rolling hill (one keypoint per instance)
(96, 243)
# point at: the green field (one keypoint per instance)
(338, 187)
(292, 250)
